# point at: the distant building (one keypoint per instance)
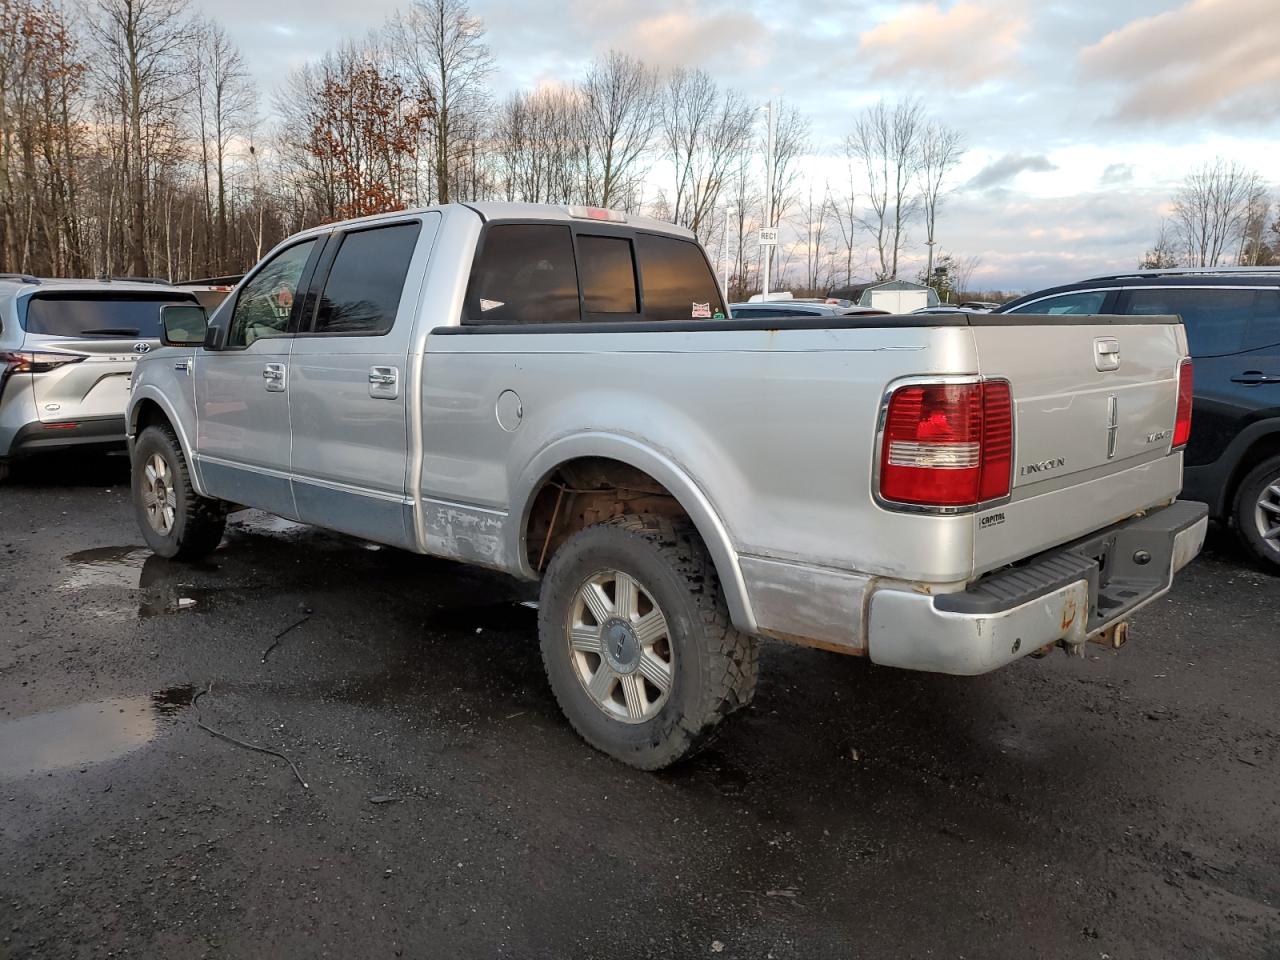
(895, 296)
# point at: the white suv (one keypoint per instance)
(67, 352)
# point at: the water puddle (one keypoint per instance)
(85, 733)
(156, 580)
(106, 567)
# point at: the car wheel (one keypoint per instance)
(175, 520)
(637, 642)
(1257, 511)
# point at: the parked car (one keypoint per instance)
(1232, 317)
(67, 350)
(797, 308)
(542, 391)
(981, 305)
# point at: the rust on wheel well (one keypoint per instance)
(586, 491)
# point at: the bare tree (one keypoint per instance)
(885, 142)
(620, 117)
(1254, 249)
(140, 45)
(941, 149)
(704, 129)
(444, 51)
(225, 102)
(1212, 208)
(1163, 253)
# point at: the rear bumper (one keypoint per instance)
(33, 438)
(1069, 593)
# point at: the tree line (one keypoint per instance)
(1221, 215)
(133, 141)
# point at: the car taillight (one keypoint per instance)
(21, 361)
(947, 444)
(1182, 422)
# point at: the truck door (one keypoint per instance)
(347, 375)
(242, 388)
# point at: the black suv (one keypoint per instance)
(1232, 316)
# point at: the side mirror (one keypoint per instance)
(185, 324)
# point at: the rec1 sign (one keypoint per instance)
(768, 236)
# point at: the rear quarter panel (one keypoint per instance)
(775, 427)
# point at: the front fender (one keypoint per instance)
(144, 393)
(663, 469)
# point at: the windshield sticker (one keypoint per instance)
(702, 311)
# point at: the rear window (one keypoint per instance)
(677, 282)
(98, 315)
(1217, 320)
(608, 275)
(362, 292)
(524, 274)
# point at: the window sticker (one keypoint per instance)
(702, 311)
(490, 304)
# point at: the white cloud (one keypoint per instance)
(1206, 59)
(962, 45)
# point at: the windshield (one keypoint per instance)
(99, 315)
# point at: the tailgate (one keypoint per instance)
(1094, 408)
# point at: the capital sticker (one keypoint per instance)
(702, 311)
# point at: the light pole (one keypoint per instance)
(768, 192)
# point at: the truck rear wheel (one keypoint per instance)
(175, 520)
(1257, 511)
(637, 642)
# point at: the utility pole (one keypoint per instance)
(768, 193)
(724, 253)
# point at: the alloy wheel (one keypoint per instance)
(158, 496)
(620, 647)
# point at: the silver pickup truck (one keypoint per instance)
(557, 393)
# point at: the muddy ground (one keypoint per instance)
(1122, 805)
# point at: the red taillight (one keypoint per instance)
(1182, 422)
(31, 362)
(947, 444)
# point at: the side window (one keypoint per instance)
(1216, 319)
(362, 292)
(608, 275)
(263, 306)
(678, 284)
(1067, 304)
(524, 274)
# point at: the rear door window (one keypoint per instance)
(1264, 331)
(608, 272)
(362, 292)
(104, 315)
(525, 273)
(1216, 319)
(1078, 303)
(676, 280)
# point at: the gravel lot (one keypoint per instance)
(1124, 805)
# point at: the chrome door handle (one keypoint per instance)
(273, 374)
(384, 383)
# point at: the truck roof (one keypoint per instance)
(501, 210)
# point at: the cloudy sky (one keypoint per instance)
(1080, 115)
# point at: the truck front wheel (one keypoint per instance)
(175, 520)
(637, 642)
